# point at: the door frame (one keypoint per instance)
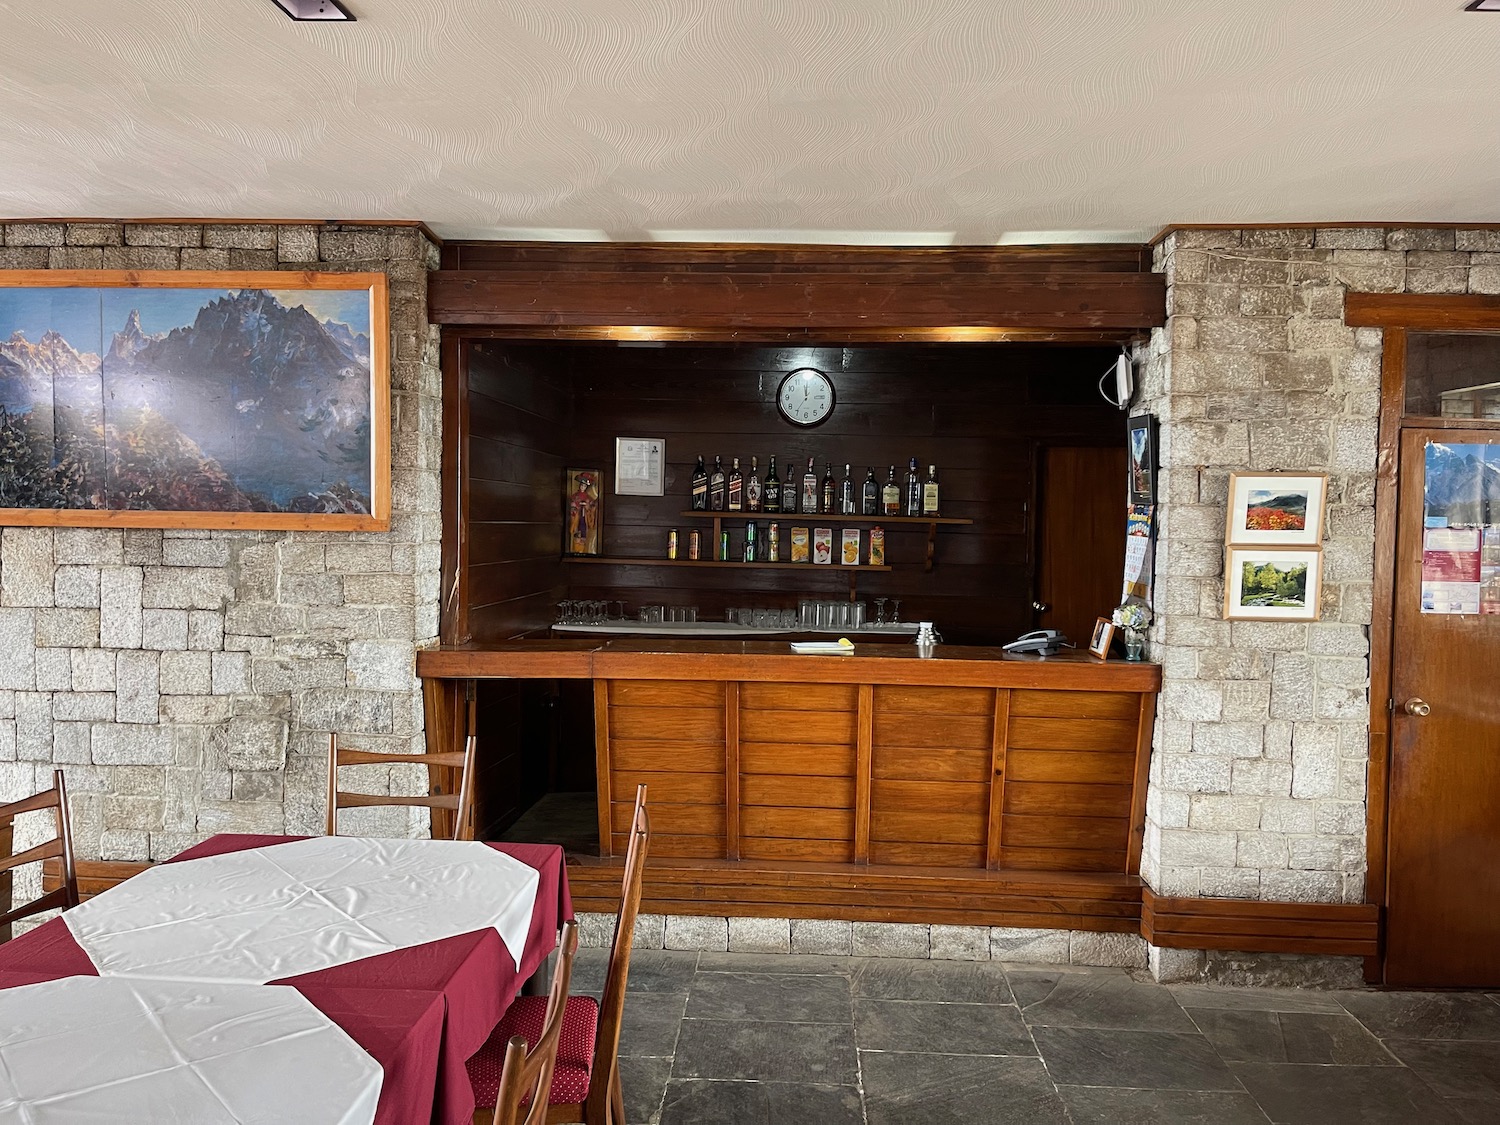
(1395, 314)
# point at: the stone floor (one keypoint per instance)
(745, 1039)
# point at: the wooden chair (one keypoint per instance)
(59, 847)
(586, 1077)
(461, 802)
(526, 1075)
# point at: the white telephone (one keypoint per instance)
(1043, 642)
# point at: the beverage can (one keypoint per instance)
(773, 543)
(723, 546)
(672, 544)
(695, 544)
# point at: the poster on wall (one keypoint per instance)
(1461, 529)
(1138, 554)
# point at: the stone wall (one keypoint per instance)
(1258, 774)
(187, 680)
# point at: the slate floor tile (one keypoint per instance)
(1292, 1037)
(780, 963)
(1425, 1015)
(1343, 1095)
(1106, 1105)
(820, 1054)
(1475, 1111)
(649, 1025)
(698, 1101)
(1097, 1000)
(906, 1089)
(1454, 1068)
(659, 970)
(642, 1082)
(946, 1029)
(1148, 1060)
(770, 997)
(958, 982)
(1255, 999)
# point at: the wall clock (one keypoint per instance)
(805, 397)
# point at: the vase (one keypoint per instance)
(1135, 644)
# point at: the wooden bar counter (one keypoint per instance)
(971, 786)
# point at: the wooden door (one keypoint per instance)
(1081, 538)
(1443, 877)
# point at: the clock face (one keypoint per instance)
(805, 397)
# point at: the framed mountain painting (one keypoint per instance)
(194, 399)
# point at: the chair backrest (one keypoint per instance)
(612, 1001)
(527, 1075)
(460, 801)
(59, 847)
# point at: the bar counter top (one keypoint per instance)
(773, 661)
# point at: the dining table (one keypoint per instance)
(377, 936)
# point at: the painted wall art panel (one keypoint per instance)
(194, 399)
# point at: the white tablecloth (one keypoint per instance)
(95, 1049)
(280, 911)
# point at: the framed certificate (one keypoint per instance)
(640, 466)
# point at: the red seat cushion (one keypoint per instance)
(575, 1049)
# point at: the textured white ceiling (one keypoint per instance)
(895, 121)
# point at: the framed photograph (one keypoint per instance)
(1276, 509)
(195, 399)
(1271, 584)
(1104, 635)
(583, 528)
(1140, 434)
(640, 466)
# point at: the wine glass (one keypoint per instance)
(896, 611)
(880, 611)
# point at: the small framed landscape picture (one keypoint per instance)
(1104, 635)
(1140, 433)
(1276, 509)
(1270, 584)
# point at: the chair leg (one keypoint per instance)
(616, 1100)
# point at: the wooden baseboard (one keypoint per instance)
(1336, 928)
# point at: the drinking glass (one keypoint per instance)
(692, 614)
(880, 611)
(826, 618)
(857, 609)
(807, 613)
(895, 611)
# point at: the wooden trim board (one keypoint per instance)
(1333, 928)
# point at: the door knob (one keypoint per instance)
(1040, 607)
(1418, 707)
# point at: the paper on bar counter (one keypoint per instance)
(841, 647)
(267, 913)
(105, 1049)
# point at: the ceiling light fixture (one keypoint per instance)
(315, 10)
(1483, 6)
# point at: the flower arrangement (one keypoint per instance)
(1132, 615)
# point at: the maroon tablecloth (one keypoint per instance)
(420, 1012)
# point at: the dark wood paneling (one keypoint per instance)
(1346, 929)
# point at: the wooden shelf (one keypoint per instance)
(601, 560)
(826, 517)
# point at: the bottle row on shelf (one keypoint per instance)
(815, 545)
(719, 491)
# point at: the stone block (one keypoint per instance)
(195, 552)
(164, 629)
(142, 258)
(1437, 273)
(76, 587)
(127, 744)
(84, 706)
(141, 546)
(1261, 850)
(1248, 699)
(311, 589)
(24, 258)
(256, 785)
(269, 675)
(297, 244)
(1193, 701)
(239, 236)
(960, 943)
(1301, 886)
(120, 607)
(890, 939)
(1212, 812)
(1420, 238)
(1229, 740)
(124, 845)
(816, 935)
(1196, 773)
(382, 665)
(34, 234)
(1192, 848)
(26, 566)
(163, 234)
(185, 587)
(96, 546)
(34, 725)
(67, 628)
(1124, 951)
(1258, 777)
(249, 742)
(54, 672)
(70, 746)
(194, 259)
(242, 816)
(760, 935)
(230, 672)
(186, 673)
(1349, 238)
(205, 630)
(650, 931)
(345, 711)
(692, 932)
(1231, 882)
(379, 589)
(1029, 946)
(137, 687)
(595, 931)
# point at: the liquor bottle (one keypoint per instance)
(913, 490)
(751, 537)
(930, 492)
(716, 486)
(869, 504)
(737, 486)
(810, 489)
(772, 498)
(752, 487)
(789, 489)
(700, 487)
(890, 495)
(830, 490)
(846, 495)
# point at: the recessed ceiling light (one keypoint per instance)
(315, 10)
(1483, 6)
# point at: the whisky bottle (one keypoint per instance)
(930, 492)
(810, 489)
(752, 487)
(716, 486)
(869, 504)
(830, 490)
(913, 490)
(772, 498)
(890, 495)
(700, 486)
(789, 488)
(737, 486)
(846, 495)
